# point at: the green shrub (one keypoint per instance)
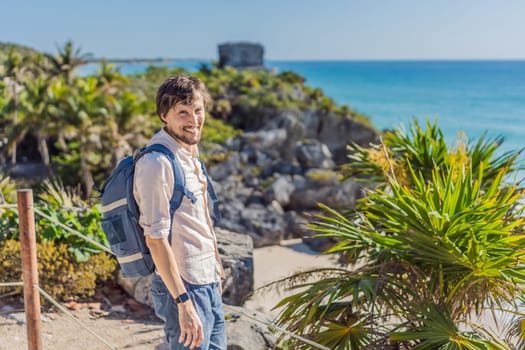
(67, 208)
(63, 206)
(7, 190)
(291, 78)
(323, 177)
(60, 275)
(69, 266)
(211, 158)
(8, 217)
(217, 131)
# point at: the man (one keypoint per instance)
(186, 286)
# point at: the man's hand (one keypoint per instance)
(191, 332)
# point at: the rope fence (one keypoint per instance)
(64, 310)
(11, 206)
(232, 309)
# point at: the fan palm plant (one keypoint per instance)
(66, 61)
(35, 115)
(15, 71)
(433, 250)
(84, 112)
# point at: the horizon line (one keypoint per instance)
(168, 59)
(92, 58)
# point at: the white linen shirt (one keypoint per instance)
(193, 239)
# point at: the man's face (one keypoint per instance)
(184, 122)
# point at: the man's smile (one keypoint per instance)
(191, 129)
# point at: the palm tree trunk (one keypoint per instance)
(15, 117)
(43, 149)
(87, 177)
(13, 154)
(15, 137)
(62, 141)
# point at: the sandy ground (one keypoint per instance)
(274, 263)
(140, 329)
(118, 326)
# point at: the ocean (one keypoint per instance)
(467, 97)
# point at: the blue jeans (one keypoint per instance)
(208, 303)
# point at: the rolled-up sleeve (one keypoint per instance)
(153, 187)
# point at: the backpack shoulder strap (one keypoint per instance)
(213, 195)
(179, 188)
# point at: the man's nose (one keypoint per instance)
(197, 119)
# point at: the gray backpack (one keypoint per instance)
(120, 213)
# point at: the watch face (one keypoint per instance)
(182, 298)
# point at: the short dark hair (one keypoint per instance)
(180, 88)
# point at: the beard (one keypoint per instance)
(185, 137)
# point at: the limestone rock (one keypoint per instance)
(308, 197)
(269, 141)
(296, 224)
(313, 154)
(223, 170)
(244, 333)
(236, 251)
(264, 224)
(280, 190)
(337, 132)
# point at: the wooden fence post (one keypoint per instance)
(26, 219)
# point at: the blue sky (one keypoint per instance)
(307, 29)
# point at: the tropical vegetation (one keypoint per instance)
(69, 266)
(436, 244)
(82, 125)
(79, 127)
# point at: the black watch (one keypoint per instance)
(182, 298)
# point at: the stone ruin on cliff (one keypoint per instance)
(241, 55)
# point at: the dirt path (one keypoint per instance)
(120, 328)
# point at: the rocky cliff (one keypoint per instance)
(276, 175)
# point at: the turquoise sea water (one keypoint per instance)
(466, 96)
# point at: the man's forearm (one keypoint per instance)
(191, 332)
(166, 265)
